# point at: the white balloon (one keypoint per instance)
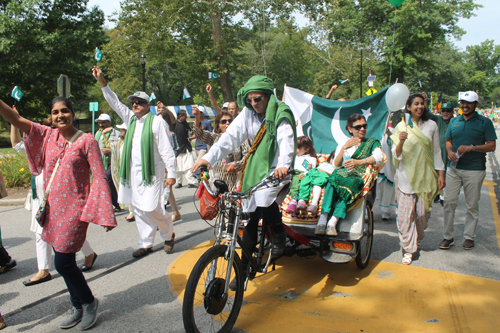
(396, 96)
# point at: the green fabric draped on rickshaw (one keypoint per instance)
(418, 161)
(344, 186)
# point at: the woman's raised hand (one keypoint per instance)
(352, 142)
(403, 136)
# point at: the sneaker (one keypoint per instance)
(301, 204)
(320, 229)
(446, 244)
(468, 244)
(89, 315)
(169, 245)
(291, 206)
(312, 209)
(74, 317)
(179, 185)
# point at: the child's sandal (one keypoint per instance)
(292, 206)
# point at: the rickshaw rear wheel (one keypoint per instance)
(365, 243)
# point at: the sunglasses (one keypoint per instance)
(223, 121)
(139, 103)
(255, 99)
(359, 127)
(446, 110)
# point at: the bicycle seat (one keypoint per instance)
(221, 186)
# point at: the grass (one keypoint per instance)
(15, 170)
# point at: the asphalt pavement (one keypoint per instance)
(139, 295)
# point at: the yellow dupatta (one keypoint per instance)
(418, 161)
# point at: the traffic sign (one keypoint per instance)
(94, 106)
(63, 86)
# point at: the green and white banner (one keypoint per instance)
(324, 120)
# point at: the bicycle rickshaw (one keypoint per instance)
(210, 305)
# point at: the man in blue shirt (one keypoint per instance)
(201, 148)
(468, 138)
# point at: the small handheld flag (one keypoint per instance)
(343, 81)
(185, 94)
(213, 75)
(152, 97)
(98, 55)
(17, 93)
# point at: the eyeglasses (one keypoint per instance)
(446, 110)
(359, 127)
(223, 121)
(137, 102)
(255, 99)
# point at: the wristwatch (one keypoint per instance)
(366, 160)
(473, 148)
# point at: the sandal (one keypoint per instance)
(176, 217)
(407, 258)
(292, 206)
(312, 209)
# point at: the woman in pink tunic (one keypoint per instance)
(72, 202)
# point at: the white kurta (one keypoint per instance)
(245, 126)
(145, 198)
(430, 129)
(376, 154)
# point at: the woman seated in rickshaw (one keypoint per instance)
(346, 182)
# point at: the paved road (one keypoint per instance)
(441, 291)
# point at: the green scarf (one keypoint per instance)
(105, 158)
(418, 161)
(260, 160)
(147, 152)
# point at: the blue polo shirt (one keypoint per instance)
(475, 131)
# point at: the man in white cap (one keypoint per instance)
(146, 158)
(104, 136)
(468, 138)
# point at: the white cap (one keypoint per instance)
(122, 126)
(470, 96)
(225, 105)
(141, 95)
(103, 117)
(201, 108)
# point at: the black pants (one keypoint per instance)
(114, 195)
(272, 216)
(78, 288)
(4, 256)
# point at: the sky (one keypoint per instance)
(478, 28)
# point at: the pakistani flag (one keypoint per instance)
(185, 94)
(324, 120)
(98, 55)
(17, 93)
(152, 97)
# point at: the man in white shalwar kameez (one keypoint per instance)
(262, 112)
(145, 197)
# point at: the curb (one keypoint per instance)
(12, 202)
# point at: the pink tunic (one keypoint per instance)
(72, 202)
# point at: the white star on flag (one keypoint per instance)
(367, 113)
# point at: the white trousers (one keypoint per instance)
(43, 253)
(149, 222)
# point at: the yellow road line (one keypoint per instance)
(311, 295)
(494, 207)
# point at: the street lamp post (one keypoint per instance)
(143, 63)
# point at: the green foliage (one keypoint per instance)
(15, 170)
(42, 39)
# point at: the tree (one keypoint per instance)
(483, 65)
(420, 25)
(42, 39)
